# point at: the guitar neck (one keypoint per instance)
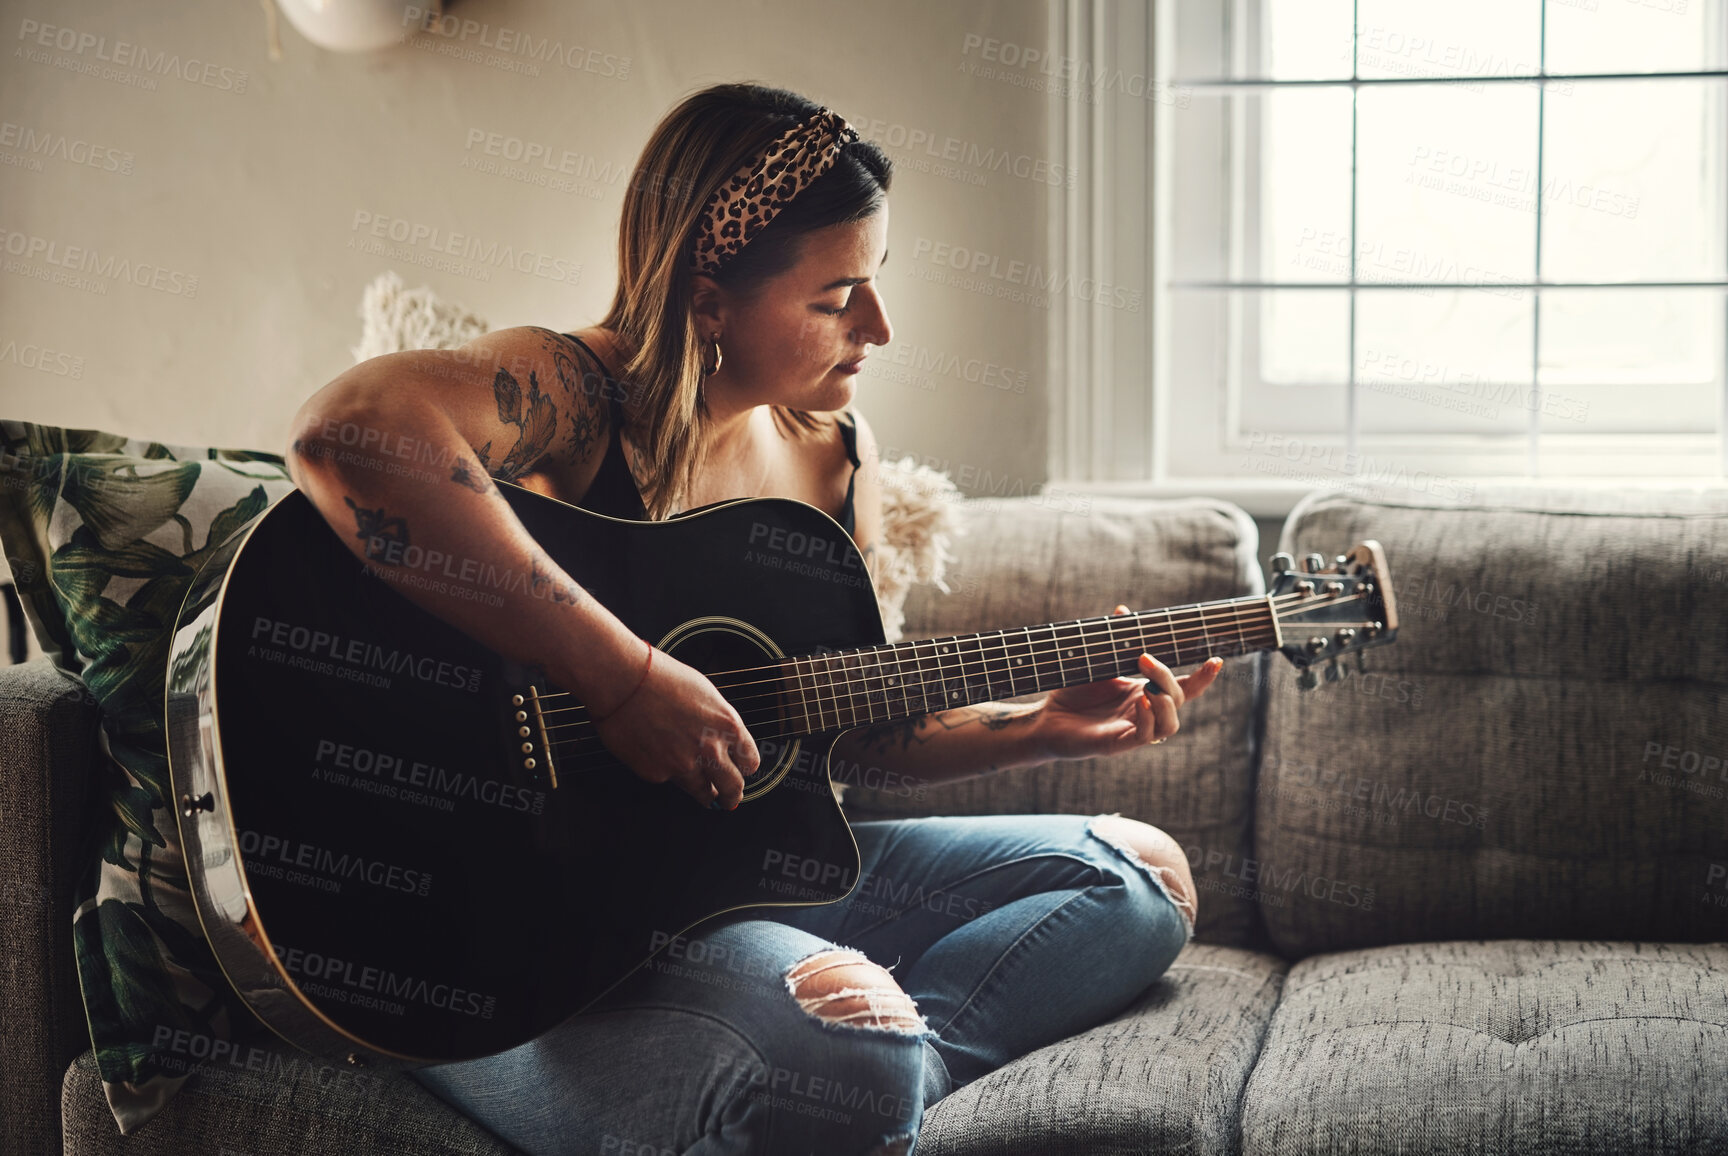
(839, 689)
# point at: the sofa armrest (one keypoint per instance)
(48, 722)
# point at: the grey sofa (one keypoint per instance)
(1473, 900)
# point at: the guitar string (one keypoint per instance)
(843, 694)
(585, 752)
(1038, 652)
(598, 755)
(567, 741)
(1199, 627)
(1247, 611)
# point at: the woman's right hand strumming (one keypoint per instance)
(399, 454)
(675, 726)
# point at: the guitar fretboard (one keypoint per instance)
(847, 688)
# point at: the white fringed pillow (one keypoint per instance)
(919, 505)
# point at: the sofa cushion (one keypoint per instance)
(1541, 752)
(49, 726)
(261, 1102)
(105, 534)
(1025, 561)
(1164, 1076)
(1510, 1046)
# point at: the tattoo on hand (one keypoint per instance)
(380, 533)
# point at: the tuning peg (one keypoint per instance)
(1313, 563)
(1336, 673)
(1307, 680)
(1282, 563)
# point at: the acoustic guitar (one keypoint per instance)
(406, 849)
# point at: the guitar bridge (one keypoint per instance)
(529, 728)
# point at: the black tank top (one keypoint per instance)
(613, 491)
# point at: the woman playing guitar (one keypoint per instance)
(752, 234)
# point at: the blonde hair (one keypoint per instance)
(709, 136)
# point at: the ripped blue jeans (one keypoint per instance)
(1010, 932)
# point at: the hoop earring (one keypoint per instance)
(707, 370)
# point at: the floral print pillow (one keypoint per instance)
(104, 534)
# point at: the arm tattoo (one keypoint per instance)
(384, 537)
(562, 592)
(585, 384)
(901, 733)
(535, 425)
(1003, 717)
(464, 476)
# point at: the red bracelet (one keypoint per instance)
(592, 717)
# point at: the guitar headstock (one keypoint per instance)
(1327, 611)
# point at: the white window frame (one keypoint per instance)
(1107, 431)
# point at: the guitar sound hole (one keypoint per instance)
(739, 660)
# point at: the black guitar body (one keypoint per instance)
(383, 875)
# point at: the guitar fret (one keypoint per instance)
(1205, 633)
(1002, 645)
(803, 701)
(1175, 644)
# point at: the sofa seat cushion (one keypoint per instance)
(264, 1102)
(1527, 1046)
(1164, 1076)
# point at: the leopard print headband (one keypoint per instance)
(743, 206)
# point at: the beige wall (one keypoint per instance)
(248, 174)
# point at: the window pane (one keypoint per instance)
(1304, 337)
(1307, 158)
(1446, 184)
(1632, 182)
(1631, 359)
(1443, 360)
(1307, 39)
(1295, 383)
(1633, 35)
(1454, 38)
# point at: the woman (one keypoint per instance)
(752, 233)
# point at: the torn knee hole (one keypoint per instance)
(1113, 828)
(845, 988)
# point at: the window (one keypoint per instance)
(1441, 240)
